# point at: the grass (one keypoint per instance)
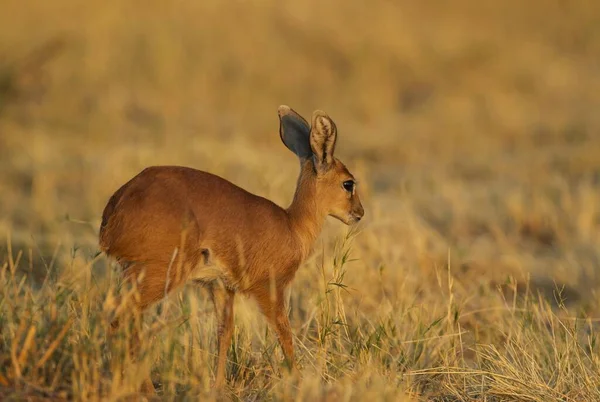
(56, 345)
(473, 131)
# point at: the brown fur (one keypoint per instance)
(177, 224)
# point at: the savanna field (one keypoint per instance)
(474, 133)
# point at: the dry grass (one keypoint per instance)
(474, 132)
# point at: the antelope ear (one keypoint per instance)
(294, 132)
(323, 136)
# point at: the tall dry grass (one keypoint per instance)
(473, 130)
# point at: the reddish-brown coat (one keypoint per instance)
(176, 224)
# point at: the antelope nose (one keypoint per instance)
(359, 213)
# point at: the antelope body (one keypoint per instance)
(170, 225)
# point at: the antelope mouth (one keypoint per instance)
(354, 219)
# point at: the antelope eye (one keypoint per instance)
(348, 185)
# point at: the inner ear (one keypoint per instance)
(294, 132)
(323, 137)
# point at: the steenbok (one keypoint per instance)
(170, 225)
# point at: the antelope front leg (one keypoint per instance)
(274, 310)
(223, 301)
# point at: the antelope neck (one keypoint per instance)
(305, 214)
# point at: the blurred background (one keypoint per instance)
(473, 128)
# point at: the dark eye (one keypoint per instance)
(349, 185)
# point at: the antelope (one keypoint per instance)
(172, 225)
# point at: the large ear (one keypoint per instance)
(323, 136)
(294, 132)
